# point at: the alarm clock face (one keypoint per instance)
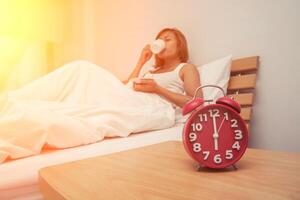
(215, 136)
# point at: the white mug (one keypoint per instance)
(157, 46)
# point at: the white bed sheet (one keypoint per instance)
(19, 178)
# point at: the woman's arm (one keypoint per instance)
(176, 98)
(145, 56)
(136, 71)
(191, 80)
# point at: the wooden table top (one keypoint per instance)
(165, 171)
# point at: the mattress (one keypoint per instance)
(19, 178)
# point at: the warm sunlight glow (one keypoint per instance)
(23, 23)
(31, 19)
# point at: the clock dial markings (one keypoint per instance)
(238, 134)
(196, 147)
(197, 126)
(193, 137)
(206, 154)
(217, 159)
(214, 113)
(234, 123)
(203, 117)
(236, 145)
(226, 115)
(229, 154)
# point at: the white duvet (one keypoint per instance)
(77, 104)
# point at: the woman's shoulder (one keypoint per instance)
(187, 70)
(188, 67)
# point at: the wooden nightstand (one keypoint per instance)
(165, 171)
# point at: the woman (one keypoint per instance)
(81, 103)
(173, 76)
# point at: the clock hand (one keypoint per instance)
(215, 134)
(216, 144)
(221, 124)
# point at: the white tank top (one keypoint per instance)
(169, 80)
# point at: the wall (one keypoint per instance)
(215, 28)
(28, 30)
(71, 45)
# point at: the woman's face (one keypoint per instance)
(170, 50)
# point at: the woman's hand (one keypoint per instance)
(146, 85)
(146, 54)
(144, 57)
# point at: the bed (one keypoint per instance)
(19, 178)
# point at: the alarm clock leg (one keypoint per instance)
(234, 167)
(199, 167)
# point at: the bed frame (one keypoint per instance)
(242, 84)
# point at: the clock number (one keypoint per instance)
(196, 147)
(192, 137)
(226, 115)
(217, 159)
(238, 134)
(197, 126)
(234, 123)
(229, 154)
(236, 145)
(203, 117)
(206, 154)
(214, 113)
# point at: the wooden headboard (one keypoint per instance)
(242, 84)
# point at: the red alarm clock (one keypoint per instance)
(214, 135)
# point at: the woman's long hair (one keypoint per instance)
(182, 47)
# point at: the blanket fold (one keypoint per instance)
(77, 104)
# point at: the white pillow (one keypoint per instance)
(214, 73)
